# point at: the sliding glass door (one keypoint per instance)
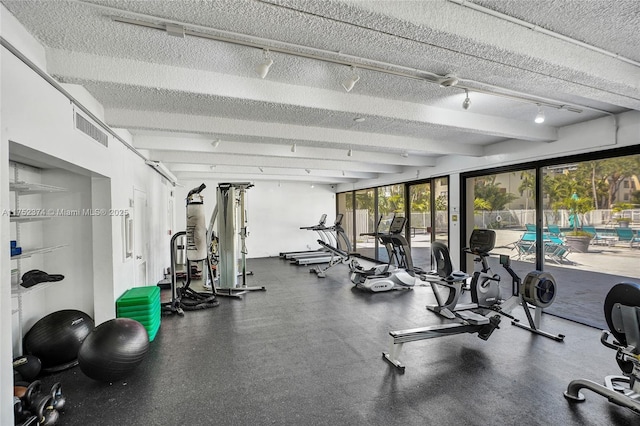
(420, 228)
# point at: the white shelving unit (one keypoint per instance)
(22, 218)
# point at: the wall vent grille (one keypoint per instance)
(89, 129)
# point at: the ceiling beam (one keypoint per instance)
(203, 144)
(245, 159)
(156, 120)
(280, 171)
(248, 176)
(93, 68)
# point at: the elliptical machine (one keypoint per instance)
(398, 273)
(622, 312)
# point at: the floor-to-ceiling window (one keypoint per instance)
(420, 229)
(505, 203)
(391, 203)
(344, 206)
(584, 230)
(441, 210)
(365, 221)
(425, 205)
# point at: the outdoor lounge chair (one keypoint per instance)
(526, 245)
(557, 253)
(627, 235)
(555, 231)
(530, 227)
(597, 238)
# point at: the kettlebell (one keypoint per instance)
(18, 409)
(47, 415)
(58, 399)
(31, 395)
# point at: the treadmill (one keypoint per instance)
(334, 237)
(318, 228)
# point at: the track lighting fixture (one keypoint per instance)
(181, 29)
(261, 169)
(215, 143)
(448, 80)
(212, 167)
(307, 170)
(467, 101)
(263, 68)
(350, 153)
(294, 147)
(348, 84)
(404, 155)
(343, 173)
(540, 116)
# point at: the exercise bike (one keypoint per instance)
(484, 286)
(398, 273)
(622, 312)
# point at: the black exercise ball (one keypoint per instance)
(28, 366)
(56, 338)
(114, 349)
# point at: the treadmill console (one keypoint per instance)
(397, 225)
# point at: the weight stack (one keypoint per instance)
(143, 305)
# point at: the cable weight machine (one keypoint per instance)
(227, 255)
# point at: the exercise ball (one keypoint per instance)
(56, 338)
(28, 366)
(113, 349)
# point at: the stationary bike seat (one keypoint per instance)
(457, 276)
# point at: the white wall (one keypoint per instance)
(37, 124)
(275, 213)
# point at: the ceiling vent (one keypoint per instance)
(91, 130)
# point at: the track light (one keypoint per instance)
(467, 101)
(348, 84)
(181, 29)
(261, 169)
(212, 167)
(540, 116)
(404, 155)
(448, 80)
(307, 170)
(294, 147)
(350, 153)
(343, 173)
(215, 143)
(263, 68)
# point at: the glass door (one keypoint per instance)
(420, 229)
(365, 222)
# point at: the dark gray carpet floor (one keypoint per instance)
(308, 352)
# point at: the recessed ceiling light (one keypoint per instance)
(359, 119)
(404, 154)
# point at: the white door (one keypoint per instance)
(140, 240)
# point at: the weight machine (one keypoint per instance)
(227, 250)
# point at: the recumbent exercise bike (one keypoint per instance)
(622, 312)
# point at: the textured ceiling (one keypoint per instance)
(177, 94)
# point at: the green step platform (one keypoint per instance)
(143, 305)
